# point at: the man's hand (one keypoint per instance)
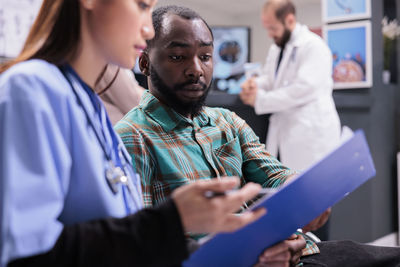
(284, 254)
(317, 222)
(201, 214)
(249, 92)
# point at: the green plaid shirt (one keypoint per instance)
(170, 150)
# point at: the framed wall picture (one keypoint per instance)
(345, 10)
(352, 58)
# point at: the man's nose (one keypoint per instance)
(195, 70)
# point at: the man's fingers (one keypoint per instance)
(292, 245)
(272, 264)
(297, 254)
(277, 249)
(325, 216)
(318, 222)
(295, 258)
(283, 256)
(297, 244)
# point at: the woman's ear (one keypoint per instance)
(144, 63)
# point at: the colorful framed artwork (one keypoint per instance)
(345, 10)
(352, 58)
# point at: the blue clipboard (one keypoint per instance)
(292, 207)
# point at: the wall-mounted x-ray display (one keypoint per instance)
(231, 52)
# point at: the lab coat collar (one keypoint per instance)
(295, 39)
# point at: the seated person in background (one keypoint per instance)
(119, 91)
(175, 140)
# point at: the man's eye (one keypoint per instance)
(143, 5)
(176, 58)
(205, 57)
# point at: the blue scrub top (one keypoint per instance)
(52, 167)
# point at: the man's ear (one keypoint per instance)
(144, 63)
(290, 21)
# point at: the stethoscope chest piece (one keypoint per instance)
(115, 176)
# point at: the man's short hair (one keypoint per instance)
(183, 12)
(282, 8)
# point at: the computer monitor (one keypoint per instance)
(231, 52)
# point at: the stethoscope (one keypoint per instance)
(118, 173)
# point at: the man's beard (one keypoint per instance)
(284, 39)
(170, 98)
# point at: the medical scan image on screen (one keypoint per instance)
(231, 52)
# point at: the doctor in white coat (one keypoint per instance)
(296, 86)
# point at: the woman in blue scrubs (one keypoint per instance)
(68, 193)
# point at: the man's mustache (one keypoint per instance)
(189, 83)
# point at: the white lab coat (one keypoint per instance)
(305, 124)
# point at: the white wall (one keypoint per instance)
(308, 12)
(260, 41)
(210, 14)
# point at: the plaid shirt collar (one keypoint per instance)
(168, 118)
